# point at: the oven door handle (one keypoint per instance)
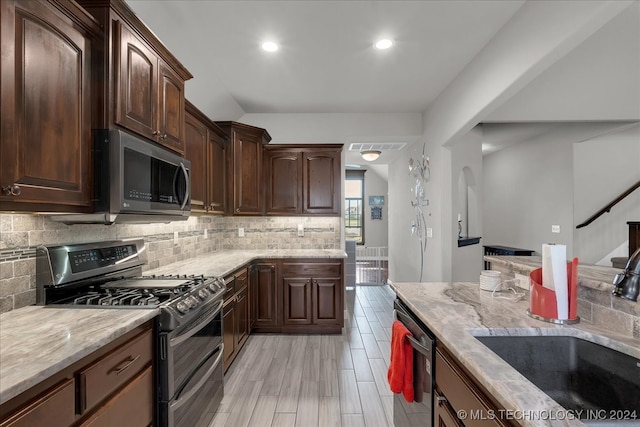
(420, 347)
(187, 396)
(196, 328)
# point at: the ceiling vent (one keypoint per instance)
(377, 146)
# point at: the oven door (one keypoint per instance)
(197, 401)
(181, 352)
(419, 413)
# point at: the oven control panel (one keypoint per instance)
(90, 259)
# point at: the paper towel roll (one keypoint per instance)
(554, 275)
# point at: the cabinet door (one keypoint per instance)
(247, 174)
(137, 84)
(131, 406)
(322, 183)
(327, 307)
(297, 301)
(284, 182)
(242, 317)
(229, 332)
(170, 108)
(443, 415)
(56, 408)
(217, 177)
(196, 140)
(263, 294)
(45, 131)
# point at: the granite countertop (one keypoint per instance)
(456, 312)
(224, 262)
(37, 342)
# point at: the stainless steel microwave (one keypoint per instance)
(135, 181)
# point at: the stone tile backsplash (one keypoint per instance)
(166, 243)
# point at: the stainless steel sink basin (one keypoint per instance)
(591, 380)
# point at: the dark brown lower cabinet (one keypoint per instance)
(312, 295)
(263, 297)
(297, 301)
(54, 408)
(235, 315)
(229, 332)
(132, 406)
(95, 391)
(456, 391)
(443, 415)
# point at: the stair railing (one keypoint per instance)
(607, 208)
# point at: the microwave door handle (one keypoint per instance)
(187, 186)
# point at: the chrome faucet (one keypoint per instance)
(627, 283)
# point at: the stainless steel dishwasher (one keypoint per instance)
(420, 411)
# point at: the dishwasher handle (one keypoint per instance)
(420, 346)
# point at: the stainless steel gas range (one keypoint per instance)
(188, 330)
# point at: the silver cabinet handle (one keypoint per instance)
(127, 363)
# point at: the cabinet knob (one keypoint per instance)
(237, 209)
(155, 133)
(441, 400)
(164, 136)
(12, 190)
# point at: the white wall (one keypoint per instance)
(527, 188)
(537, 36)
(561, 179)
(466, 153)
(603, 168)
(335, 128)
(376, 232)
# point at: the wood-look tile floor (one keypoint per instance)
(317, 380)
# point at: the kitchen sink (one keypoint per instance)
(592, 381)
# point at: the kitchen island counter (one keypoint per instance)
(37, 342)
(456, 312)
(221, 263)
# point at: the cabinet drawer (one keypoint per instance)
(104, 376)
(54, 408)
(132, 406)
(230, 283)
(314, 269)
(242, 279)
(462, 394)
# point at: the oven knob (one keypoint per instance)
(213, 287)
(182, 307)
(203, 293)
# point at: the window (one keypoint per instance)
(353, 206)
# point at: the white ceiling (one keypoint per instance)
(327, 63)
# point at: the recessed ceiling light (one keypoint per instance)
(270, 46)
(383, 44)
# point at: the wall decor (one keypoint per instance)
(421, 172)
(376, 200)
(376, 212)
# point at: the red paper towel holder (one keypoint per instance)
(542, 301)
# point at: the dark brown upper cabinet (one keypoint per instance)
(142, 83)
(206, 147)
(245, 183)
(45, 131)
(303, 180)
